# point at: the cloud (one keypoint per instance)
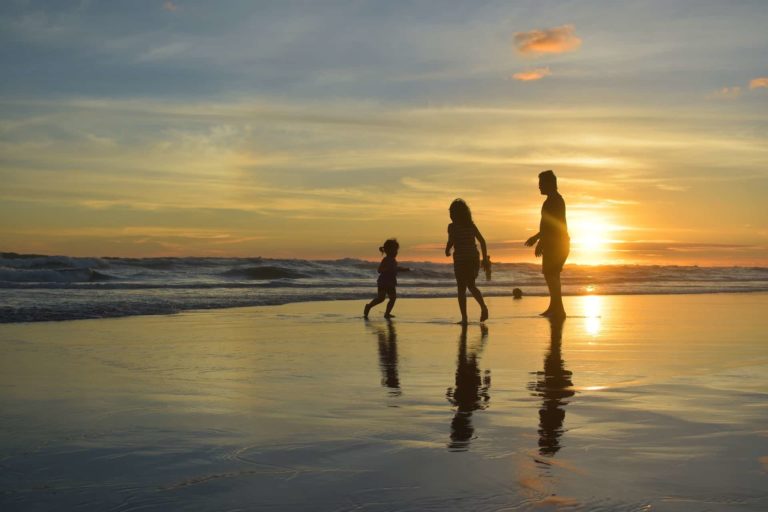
(532, 74)
(674, 246)
(728, 93)
(550, 40)
(169, 6)
(760, 82)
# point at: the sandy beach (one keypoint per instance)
(653, 402)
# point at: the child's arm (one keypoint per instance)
(483, 247)
(449, 245)
(532, 240)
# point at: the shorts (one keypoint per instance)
(387, 291)
(553, 259)
(466, 270)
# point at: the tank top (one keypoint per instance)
(463, 236)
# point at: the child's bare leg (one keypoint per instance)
(392, 298)
(378, 300)
(475, 291)
(461, 287)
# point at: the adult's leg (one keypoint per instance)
(556, 307)
(392, 292)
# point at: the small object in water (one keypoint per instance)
(517, 293)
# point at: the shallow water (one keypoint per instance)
(634, 403)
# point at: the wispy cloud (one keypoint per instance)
(169, 6)
(728, 93)
(759, 83)
(163, 52)
(532, 74)
(362, 169)
(547, 41)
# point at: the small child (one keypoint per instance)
(387, 281)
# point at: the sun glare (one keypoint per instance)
(590, 239)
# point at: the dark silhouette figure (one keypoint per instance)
(462, 233)
(552, 241)
(471, 391)
(554, 386)
(387, 282)
(388, 358)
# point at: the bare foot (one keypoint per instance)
(484, 314)
(366, 310)
(463, 322)
(389, 315)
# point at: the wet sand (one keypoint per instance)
(634, 403)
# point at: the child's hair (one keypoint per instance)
(460, 212)
(389, 246)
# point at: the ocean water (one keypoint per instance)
(44, 288)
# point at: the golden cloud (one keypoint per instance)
(532, 74)
(760, 82)
(550, 40)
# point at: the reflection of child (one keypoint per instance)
(387, 281)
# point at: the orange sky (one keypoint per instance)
(244, 135)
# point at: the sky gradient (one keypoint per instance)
(318, 129)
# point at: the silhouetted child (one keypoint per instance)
(462, 233)
(387, 281)
(552, 242)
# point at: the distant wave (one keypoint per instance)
(265, 272)
(62, 275)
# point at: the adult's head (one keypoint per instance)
(460, 212)
(547, 182)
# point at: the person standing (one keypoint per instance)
(462, 233)
(552, 242)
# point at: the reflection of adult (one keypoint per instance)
(554, 244)
(554, 386)
(471, 390)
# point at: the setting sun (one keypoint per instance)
(590, 239)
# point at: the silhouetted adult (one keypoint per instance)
(471, 391)
(554, 386)
(552, 241)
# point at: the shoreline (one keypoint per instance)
(367, 297)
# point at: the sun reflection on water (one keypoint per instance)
(593, 307)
